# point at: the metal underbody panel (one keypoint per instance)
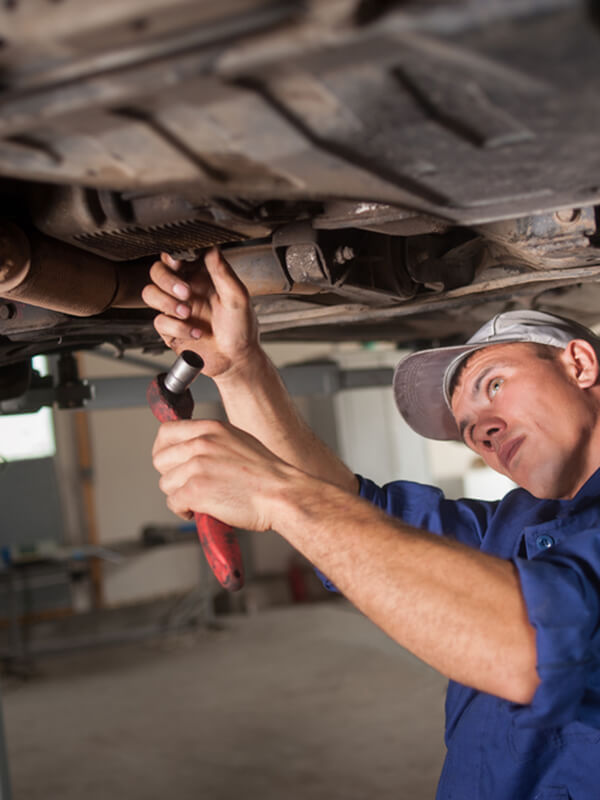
(442, 156)
(287, 101)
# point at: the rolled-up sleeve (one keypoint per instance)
(561, 588)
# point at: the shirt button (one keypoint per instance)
(544, 541)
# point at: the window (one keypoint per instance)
(24, 436)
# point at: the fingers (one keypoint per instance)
(170, 328)
(160, 301)
(189, 303)
(178, 509)
(167, 259)
(195, 441)
(177, 505)
(173, 480)
(170, 275)
(213, 468)
(229, 288)
(171, 289)
(168, 292)
(181, 431)
(171, 295)
(182, 455)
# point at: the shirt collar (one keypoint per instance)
(589, 492)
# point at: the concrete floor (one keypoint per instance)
(304, 702)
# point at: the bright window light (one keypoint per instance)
(24, 436)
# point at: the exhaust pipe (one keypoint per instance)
(44, 272)
(41, 271)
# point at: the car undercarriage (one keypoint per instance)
(371, 169)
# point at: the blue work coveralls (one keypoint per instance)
(550, 749)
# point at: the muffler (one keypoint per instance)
(41, 271)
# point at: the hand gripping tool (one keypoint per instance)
(170, 399)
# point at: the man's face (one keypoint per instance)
(527, 417)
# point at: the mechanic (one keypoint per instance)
(505, 602)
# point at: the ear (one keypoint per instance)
(582, 362)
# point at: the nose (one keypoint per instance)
(487, 430)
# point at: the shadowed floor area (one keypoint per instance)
(306, 702)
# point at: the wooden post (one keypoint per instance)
(86, 471)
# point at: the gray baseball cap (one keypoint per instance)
(422, 380)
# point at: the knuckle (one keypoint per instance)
(195, 446)
(171, 505)
(214, 425)
(195, 485)
(201, 430)
(211, 435)
(158, 446)
(197, 463)
(240, 298)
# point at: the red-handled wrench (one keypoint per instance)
(170, 399)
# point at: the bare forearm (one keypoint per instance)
(459, 610)
(257, 401)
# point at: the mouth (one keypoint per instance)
(508, 451)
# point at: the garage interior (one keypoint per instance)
(389, 171)
(128, 672)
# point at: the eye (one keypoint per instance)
(494, 385)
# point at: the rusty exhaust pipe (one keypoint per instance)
(44, 272)
(41, 271)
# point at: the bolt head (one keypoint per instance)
(7, 311)
(568, 214)
(343, 254)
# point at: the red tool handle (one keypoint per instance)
(218, 540)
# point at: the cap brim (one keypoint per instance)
(418, 381)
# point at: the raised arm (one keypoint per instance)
(207, 309)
